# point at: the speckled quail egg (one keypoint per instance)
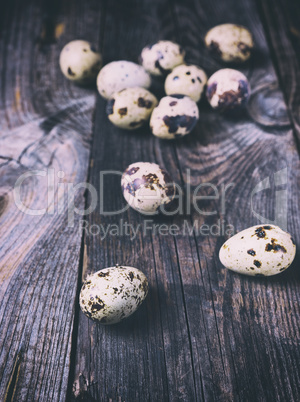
(261, 250)
(228, 90)
(146, 186)
(186, 80)
(162, 57)
(130, 108)
(174, 117)
(119, 75)
(79, 61)
(112, 294)
(230, 42)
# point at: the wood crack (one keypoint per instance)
(13, 380)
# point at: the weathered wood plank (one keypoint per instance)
(146, 357)
(204, 333)
(282, 27)
(240, 351)
(46, 125)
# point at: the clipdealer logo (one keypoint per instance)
(281, 199)
(61, 197)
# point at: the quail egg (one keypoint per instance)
(79, 61)
(119, 75)
(146, 186)
(230, 42)
(130, 108)
(228, 90)
(174, 117)
(186, 80)
(261, 250)
(112, 294)
(162, 57)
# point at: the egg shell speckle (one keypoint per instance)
(161, 57)
(79, 61)
(187, 80)
(261, 250)
(130, 108)
(228, 90)
(119, 75)
(113, 294)
(230, 42)
(174, 117)
(146, 187)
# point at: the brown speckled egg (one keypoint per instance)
(187, 80)
(261, 250)
(130, 108)
(161, 57)
(230, 42)
(119, 75)
(228, 90)
(80, 62)
(174, 117)
(146, 187)
(113, 294)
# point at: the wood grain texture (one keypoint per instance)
(46, 125)
(204, 333)
(244, 153)
(282, 27)
(144, 357)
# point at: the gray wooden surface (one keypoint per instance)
(203, 333)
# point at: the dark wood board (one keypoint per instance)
(204, 333)
(46, 123)
(281, 23)
(223, 337)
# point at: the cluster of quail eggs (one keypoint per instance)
(125, 85)
(112, 294)
(130, 104)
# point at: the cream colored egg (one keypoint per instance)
(79, 61)
(146, 186)
(186, 80)
(113, 294)
(261, 250)
(230, 42)
(174, 117)
(228, 90)
(119, 75)
(162, 57)
(130, 108)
